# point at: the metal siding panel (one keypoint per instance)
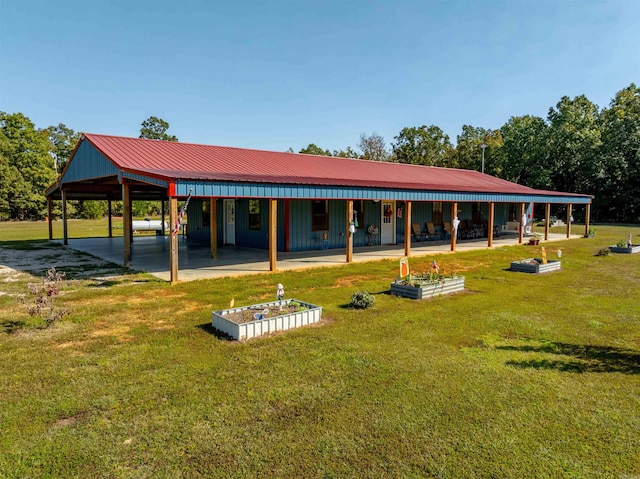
(262, 190)
(220, 221)
(88, 163)
(196, 227)
(337, 224)
(281, 221)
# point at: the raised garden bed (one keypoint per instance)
(417, 289)
(534, 265)
(243, 323)
(635, 248)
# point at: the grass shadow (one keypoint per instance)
(11, 327)
(208, 328)
(578, 358)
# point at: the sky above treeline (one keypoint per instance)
(275, 74)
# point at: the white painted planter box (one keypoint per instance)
(256, 328)
(635, 248)
(429, 290)
(524, 267)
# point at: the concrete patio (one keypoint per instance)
(151, 254)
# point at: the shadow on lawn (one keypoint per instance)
(579, 358)
(11, 327)
(208, 328)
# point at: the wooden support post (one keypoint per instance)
(522, 224)
(569, 208)
(547, 219)
(587, 219)
(349, 234)
(65, 231)
(213, 226)
(126, 222)
(173, 240)
(490, 224)
(110, 215)
(49, 219)
(273, 234)
(454, 232)
(407, 230)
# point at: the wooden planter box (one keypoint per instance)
(256, 328)
(428, 290)
(524, 266)
(635, 248)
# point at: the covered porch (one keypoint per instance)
(150, 254)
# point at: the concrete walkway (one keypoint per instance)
(151, 254)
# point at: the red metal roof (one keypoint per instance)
(187, 161)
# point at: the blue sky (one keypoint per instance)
(275, 74)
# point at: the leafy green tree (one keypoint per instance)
(63, 140)
(468, 150)
(25, 160)
(155, 128)
(373, 147)
(314, 149)
(618, 194)
(574, 143)
(348, 153)
(91, 209)
(523, 156)
(422, 146)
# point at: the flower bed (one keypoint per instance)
(534, 265)
(421, 288)
(243, 323)
(635, 248)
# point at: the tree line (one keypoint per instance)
(577, 148)
(32, 159)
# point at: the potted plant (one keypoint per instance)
(428, 284)
(534, 240)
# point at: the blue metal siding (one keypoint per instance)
(245, 236)
(242, 190)
(300, 236)
(281, 221)
(337, 224)
(196, 228)
(371, 217)
(146, 179)
(88, 163)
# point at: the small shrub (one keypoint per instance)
(45, 294)
(621, 243)
(603, 252)
(362, 300)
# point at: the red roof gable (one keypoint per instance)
(187, 161)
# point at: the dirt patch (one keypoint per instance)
(350, 281)
(263, 312)
(69, 421)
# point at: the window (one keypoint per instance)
(358, 209)
(436, 213)
(254, 215)
(319, 215)
(206, 217)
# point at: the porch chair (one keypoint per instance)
(416, 233)
(431, 231)
(447, 230)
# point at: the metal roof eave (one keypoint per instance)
(297, 191)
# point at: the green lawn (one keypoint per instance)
(521, 376)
